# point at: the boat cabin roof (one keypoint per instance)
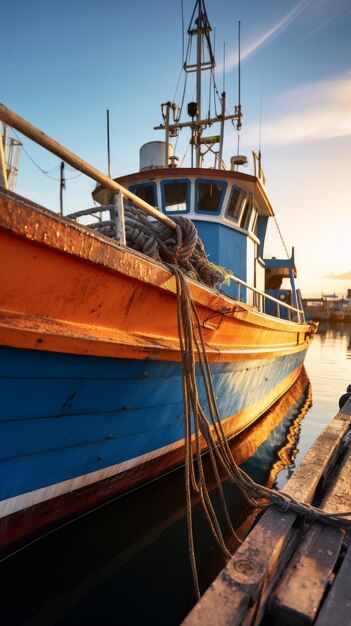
(204, 193)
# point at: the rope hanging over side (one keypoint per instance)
(210, 429)
(184, 254)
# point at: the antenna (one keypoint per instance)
(224, 66)
(108, 142)
(260, 173)
(239, 66)
(238, 124)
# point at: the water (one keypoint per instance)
(128, 563)
(328, 365)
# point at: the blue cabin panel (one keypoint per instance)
(226, 247)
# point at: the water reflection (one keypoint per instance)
(328, 368)
(128, 562)
(336, 333)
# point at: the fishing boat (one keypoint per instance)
(327, 307)
(346, 306)
(91, 374)
(317, 309)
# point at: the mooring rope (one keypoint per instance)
(183, 253)
(197, 425)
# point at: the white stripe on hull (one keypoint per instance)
(31, 498)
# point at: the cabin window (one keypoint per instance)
(146, 191)
(235, 204)
(246, 216)
(209, 196)
(254, 221)
(175, 196)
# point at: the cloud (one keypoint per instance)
(264, 38)
(315, 112)
(345, 276)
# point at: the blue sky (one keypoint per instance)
(66, 62)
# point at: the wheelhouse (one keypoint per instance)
(230, 210)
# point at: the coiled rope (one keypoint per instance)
(181, 247)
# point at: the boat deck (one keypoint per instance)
(284, 574)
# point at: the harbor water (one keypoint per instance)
(328, 365)
(128, 561)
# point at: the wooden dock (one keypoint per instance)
(286, 574)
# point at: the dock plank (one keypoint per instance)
(240, 583)
(252, 571)
(300, 591)
(337, 607)
(319, 459)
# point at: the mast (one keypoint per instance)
(200, 28)
(198, 82)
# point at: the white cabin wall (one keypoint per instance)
(260, 276)
(250, 264)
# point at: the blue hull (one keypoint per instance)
(65, 416)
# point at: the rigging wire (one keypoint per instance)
(281, 237)
(46, 172)
(176, 89)
(183, 29)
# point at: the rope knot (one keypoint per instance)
(283, 504)
(311, 515)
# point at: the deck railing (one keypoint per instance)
(259, 300)
(12, 119)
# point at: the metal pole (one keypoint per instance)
(221, 139)
(121, 232)
(108, 143)
(198, 88)
(62, 185)
(17, 122)
(167, 134)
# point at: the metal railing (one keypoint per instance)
(259, 299)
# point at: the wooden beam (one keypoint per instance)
(14, 120)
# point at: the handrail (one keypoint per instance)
(20, 124)
(266, 295)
